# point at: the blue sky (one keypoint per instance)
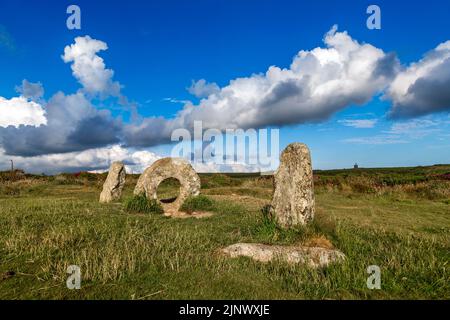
(157, 48)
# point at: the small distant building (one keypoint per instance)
(355, 166)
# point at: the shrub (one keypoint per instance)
(140, 204)
(361, 187)
(91, 177)
(66, 179)
(198, 203)
(9, 189)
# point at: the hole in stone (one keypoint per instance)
(168, 190)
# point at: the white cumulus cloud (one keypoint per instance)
(96, 160)
(88, 68)
(202, 89)
(423, 87)
(19, 111)
(29, 90)
(317, 84)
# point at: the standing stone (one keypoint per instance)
(112, 188)
(169, 168)
(293, 198)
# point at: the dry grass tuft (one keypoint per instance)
(318, 241)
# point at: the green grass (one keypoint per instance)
(197, 203)
(140, 204)
(48, 226)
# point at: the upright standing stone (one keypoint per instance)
(112, 188)
(293, 198)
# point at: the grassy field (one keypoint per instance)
(398, 219)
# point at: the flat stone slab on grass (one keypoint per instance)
(312, 256)
(184, 215)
